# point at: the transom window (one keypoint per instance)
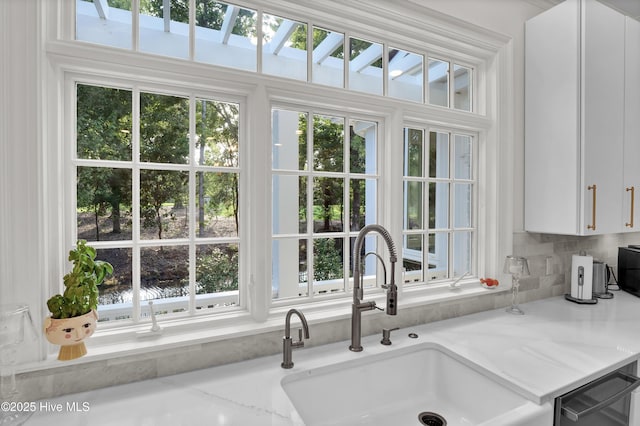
(158, 194)
(228, 35)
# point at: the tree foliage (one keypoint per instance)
(217, 270)
(104, 132)
(327, 263)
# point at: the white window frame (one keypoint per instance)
(425, 180)
(136, 165)
(64, 56)
(344, 284)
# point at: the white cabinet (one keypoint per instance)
(631, 165)
(574, 119)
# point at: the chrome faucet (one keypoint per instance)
(287, 343)
(358, 305)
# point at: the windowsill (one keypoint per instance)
(116, 343)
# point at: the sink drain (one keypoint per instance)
(428, 418)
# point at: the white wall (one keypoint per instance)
(21, 258)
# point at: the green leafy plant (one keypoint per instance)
(81, 284)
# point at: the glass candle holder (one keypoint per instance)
(518, 267)
(13, 318)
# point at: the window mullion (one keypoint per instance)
(192, 205)
(452, 200)
(310, 212)
(347, 180)
(135, 213)
(426, 146)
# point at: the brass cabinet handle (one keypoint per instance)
(633, 192)
(593, 208)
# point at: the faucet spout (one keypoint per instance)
(303, 320)
(287, 343)
(358, 305)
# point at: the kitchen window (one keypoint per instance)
(157, 192)
(253, 205)
(439, 235)
(324, 190)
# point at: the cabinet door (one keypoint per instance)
(601, 121)
(552, 110)
(630, 215)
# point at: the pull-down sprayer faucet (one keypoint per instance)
(358, 305)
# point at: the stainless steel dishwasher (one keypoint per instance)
(604, 402)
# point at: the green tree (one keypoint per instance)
(93, 192)
(328, 156)
(327, 263)
(218, 146)
(104, 132)
(164, 128)
(217, 270)
(209, 14)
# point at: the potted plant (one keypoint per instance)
(73, 313)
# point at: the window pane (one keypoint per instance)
(438, 155)
(362, 203)
(289, 201)
(225, 35)
(328, 57)
(216, 275)
(110, 26)
(438, 256)
(405, 75)
(413, 148)
(328, 143)
(164, 129)
(289, 140)
(163, 204)
(463, 154)
(413, 205)
(362, 152)
(103, 123)
(438, 76)
(412, 258)
(365, 66)
(217, 204)
(116, 296)
(328, 262)
(284, 47)
(103, 203)
(289, 268)
(328, 204)
(462, 86)
(462, 203)
(461, 252)
(164, 274)
(438, 205)
(162, 31)
(216, 133)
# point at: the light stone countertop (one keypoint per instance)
(555, 347)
